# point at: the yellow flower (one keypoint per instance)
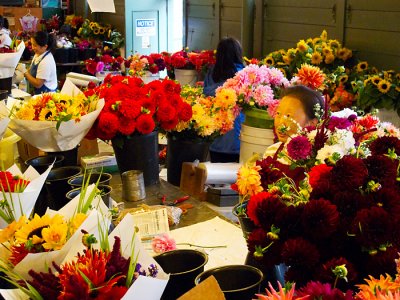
(27, 112)
(362, 66)
(326, 51)
(291, 52)
(344, 53)
(287, 59)
(343, 78)
(316, 40)
(324, 36)
(7, 233)
(384, 86)
(269, 60)
(54, 236)
(302, 46)
(329, 58)
(316, 58)
(398, 76)
(46, 115)
(249, 180)
(76, 221)
(225, 98)
(375, 79)
(32, 230)
(334, 44)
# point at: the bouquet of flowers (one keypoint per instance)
(184, 59)
(136, 108)
(120, 271)
(90, 29)
(139, 64)
(55, 121)
(10, 59)
(19, 192)
(74, 21)
(105, 62)
(257, 86)
(211, 117)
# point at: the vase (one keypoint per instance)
(180, 150)
(183, 265)
(149, 77)
(237, 282)
(139, 152)
(186, 76)
(246, 224)
(256, 133)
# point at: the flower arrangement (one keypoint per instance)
(90, 29)
(184, 59)
(211, 117)
(52, 24)
(133, 107)
(105, 62)
(378, 90)
(257, 86)
(74, 21)
(12, 183)
(139, 64)
(56, 107)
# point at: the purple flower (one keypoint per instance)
(100, 66)
(299, 147)
(339, 123)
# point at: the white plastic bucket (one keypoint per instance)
(149, 77)
(254, 140)
(186, 76)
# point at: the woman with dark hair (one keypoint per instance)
(228, 61)
(42, 74)
(5, 40)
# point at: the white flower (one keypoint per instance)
(328, 151)
(342, 137)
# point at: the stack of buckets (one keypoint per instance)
(256, 134)
(8, 149)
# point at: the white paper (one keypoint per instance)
(17, 93)
(146, 288)
(8, 61)
(214, 232)
(101, 5)
(13, 294)
(44, 135)
(4, 119)
(220, 173)
(27, 199)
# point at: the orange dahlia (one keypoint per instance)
(311, 76)
(384, 284)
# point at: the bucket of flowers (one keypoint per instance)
(146, 66)
(105, 64)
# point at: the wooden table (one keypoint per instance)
(199, 213)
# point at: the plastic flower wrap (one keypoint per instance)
(133, 107)
(211, 116)
(19, 192)
(55, 121)
(8, 61)
(257, 86)
(117, 267)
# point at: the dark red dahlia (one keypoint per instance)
(299, 252)
(349, 173)
(289, 221)
(258, 237)
(382, 262)
(383, 144)
(325, 273)
(381, 169)
(373, 227)
(263, 209)
(318, 290)
(299, 148)
(320, 219)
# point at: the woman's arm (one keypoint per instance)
(36, 82)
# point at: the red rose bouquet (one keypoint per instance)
(132, 107)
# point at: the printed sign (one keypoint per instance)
(145, 27)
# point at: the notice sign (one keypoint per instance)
(145, 27)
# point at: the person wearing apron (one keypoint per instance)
(42, 74)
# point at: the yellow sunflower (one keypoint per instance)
(269, 60)
(76, 221)
(362, 66)
(366, 81)
(47, 114)
(32, 231)
(343, 79)
(334, 44)
(397, 89)
(384, 86)
(7, 233)
(316, 58)
(302, 46)
(398, 76)
(329, 58)
(327, 51)
(324, 35)
(287, 59)
(375, 79)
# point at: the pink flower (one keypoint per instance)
(100, 66)
(163, 243)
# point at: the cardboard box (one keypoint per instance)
(27, 151)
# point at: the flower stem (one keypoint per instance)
(193, 245)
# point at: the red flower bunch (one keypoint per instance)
(132, 107)
(343, 216)
(105, 62)
(190, 60)
(11, 183)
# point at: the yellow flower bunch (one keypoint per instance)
(94, 29)
(211, 116)
(55, 107)
(40, 234)
(137, 65)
